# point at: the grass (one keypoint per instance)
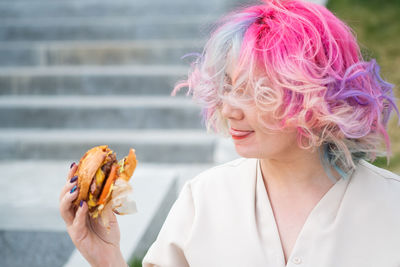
(135, 263)
(376, 24)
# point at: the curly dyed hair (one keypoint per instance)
(302, 65)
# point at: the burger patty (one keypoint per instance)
(106, 168)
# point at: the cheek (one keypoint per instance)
(276, 143)
(263, 146)
(262, 121)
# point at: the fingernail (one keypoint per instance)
(72, 165)
(73, 189)
(73, 179)
(80, 204)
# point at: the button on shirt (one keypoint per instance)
(296, 260)
(223, 217)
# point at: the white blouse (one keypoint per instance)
(223, 217)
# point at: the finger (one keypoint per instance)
(79, 223)
(71, 177)
(106, 215)
(72, 171)
(103, 224)
(67, 188)
(109, 213)
(66, 208)
(78, 230)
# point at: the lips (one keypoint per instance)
(239, 134)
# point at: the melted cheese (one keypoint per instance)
(91, 202)
(100, 177)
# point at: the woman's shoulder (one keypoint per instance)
(228, 172)
(377, 182)
(226, 180)
(378, 174)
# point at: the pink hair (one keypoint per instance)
(303, 65)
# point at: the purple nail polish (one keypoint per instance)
(73, 179)
(72, 165)
(80, 204)
(73, 189)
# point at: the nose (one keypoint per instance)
(231, 112)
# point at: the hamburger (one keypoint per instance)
(102, 179)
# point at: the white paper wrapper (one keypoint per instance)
(121, 202)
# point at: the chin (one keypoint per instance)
(247, 152)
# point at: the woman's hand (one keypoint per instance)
(100, 246)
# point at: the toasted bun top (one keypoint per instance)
(88, 165)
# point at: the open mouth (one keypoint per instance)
(239, 134)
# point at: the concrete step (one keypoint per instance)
(54, 9)
(97, 52)
(37, 183)
(108, 28)
(159, 146)
(116, 80)
(20, 248)
(103, 112)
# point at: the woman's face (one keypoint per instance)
(251, 139)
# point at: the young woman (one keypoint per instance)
(286, 80)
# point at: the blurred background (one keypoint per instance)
(80, 73)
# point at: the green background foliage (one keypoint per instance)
(376, 24)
